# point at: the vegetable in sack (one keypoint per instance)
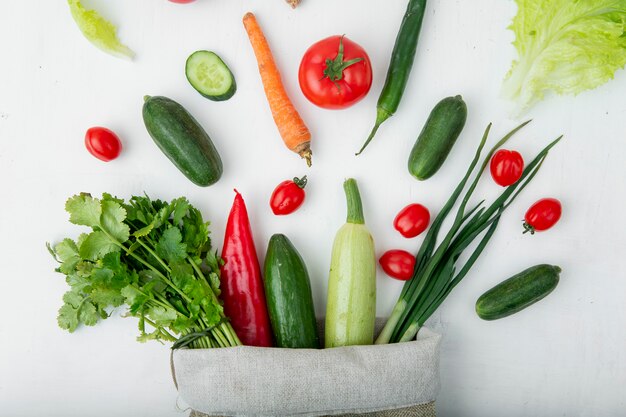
(289, 296)
(518, 292)
(335, 73)
(412, 220)
(154, 257)
(293, 131)
(288, 196)
(103, 143)
(437, 271)
(98, 30)
(542, 215)
(351, 303)
(242, 285)
(398, 264)
(506, 167)
(565, 47)
(400, 65)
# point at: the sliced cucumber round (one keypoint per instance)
(210, 76)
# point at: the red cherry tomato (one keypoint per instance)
(506, 167)
(181, 1)
(542, 215)
(398, 264)
(288, 196)
(335, 73)
(103, 143)
(412, 220)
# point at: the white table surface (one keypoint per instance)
(564, 356)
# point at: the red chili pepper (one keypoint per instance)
(242, 285)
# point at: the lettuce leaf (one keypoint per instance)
(98, 30)
(564, 46)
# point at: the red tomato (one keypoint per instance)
(335, 73)
(398, 264)
(103, 143)
(542, 215)
(181, 1)
(506, 167)
(412, 220)
(288, 196)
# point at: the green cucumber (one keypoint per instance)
(443, 127)
(288, 296)
(518, 292)
(182, 140)
(210, 76)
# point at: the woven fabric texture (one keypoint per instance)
(420, 410)
(353, 380)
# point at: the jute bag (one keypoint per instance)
(395, 380)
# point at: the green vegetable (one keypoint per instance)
(565, 46)
(436, 271)
(351, 304)
(400, 65)
(98, 30)
(289, 297)
(443, 127)
(151, 255)
(209, 75)
(518, 292)
(182, 140)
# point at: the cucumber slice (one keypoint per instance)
(209, 75)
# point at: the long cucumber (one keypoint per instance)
(289, 297)
(518, 292)
(181, 138)
(351, 304)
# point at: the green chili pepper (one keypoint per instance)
(400, 65)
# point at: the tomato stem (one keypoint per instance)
(528, 228)
(300, 182)
(334, 68)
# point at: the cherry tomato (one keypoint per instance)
(542, 215)
(335, 73)
(412, 220)
(288, 196)
(103, 143)
(181, 1)
(506, 167)
(398, 264)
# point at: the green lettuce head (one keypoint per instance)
(565, 46)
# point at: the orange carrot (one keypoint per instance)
(292, 129)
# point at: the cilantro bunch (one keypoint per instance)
(152, 256)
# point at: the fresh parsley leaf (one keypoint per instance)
(96, 245)
(84, 210)
(170, 246)
(68, 318)
(88, 314)
(73, 298)
(112, 221)
(180, 207)
(162, 316)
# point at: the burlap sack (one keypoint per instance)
(383, 381)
